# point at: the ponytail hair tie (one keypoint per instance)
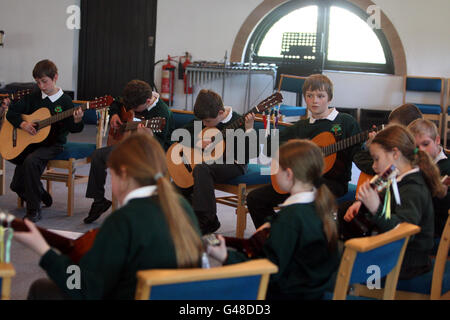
(157, 176)
(416, 150)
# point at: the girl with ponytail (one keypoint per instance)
(418, 181)
(153, 228)
(303, 238)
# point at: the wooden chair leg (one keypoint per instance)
(19, 203)
(241, 212)
(2, 176)
(70, 190)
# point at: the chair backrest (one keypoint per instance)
(97, 117)
(424, 84)
(241, 281)
(181, 117)
(381, 254)
(6, 273)
(292, 83)
(440, 262)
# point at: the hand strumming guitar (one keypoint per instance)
(32, 239)
(218, 252)
(29, 127)
(115, 122)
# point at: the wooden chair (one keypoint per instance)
(75, 155)
(2, 165)
(291, 83)
(433, 112)
(6, 273)
(241, 281)
(384, 251)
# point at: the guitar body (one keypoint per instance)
(212, 153)
(181, 162)
(82, 245)
(322, 140)
(252, 247)
(24, 139)
(115, 135)
(363, 177)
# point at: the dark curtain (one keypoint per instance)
(116, 45)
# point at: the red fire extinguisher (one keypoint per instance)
(168, 81)
(187, 89)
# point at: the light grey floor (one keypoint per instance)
(26, 262)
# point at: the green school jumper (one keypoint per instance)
(135, 237)
(416, 208)
(32, 102)
(159, 110)
(298, 246)
(441, 206)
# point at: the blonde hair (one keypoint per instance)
(305, 159)
(397, 136)
(420, 127)
(143, 157)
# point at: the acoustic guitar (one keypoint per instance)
(75, 249)
(327, 143)
(181, 160)
(14, 140)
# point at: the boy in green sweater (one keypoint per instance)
(138, 97)
(30, 164)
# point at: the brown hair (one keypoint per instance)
(397, 136)
(423, 126)
(136, 93)
(318, 82)
(143, 157)
(45, 68)
(208, 104)
(305, 159)
(405, 114)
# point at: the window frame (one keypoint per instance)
(323, 19)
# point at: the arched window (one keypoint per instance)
(305, 36)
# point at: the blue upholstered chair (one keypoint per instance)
(6, 273)
(435, 284)
(241, 281)
(291, 83)
(73, 156)
(429, 85)
(363, 258)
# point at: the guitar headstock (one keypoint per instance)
(6, 218)
(380, 182)
(269, 102)
(156, 124)
(100, 103)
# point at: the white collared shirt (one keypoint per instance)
(142, 192)
(54, 97)
(156, 95)
(400, 177)
(301, 197)
(333, 114)
(229, 116)
(440, 156)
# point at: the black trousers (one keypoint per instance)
(260, 202)
(30, 165)
(97, 173)
(202, 194)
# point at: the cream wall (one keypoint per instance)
(207, 29)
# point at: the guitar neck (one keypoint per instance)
(239, 122)
(348, 142)
(61, 116)
(63, 244)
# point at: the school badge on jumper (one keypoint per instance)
(58, 109)
(336, 130)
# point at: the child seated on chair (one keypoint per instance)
(427, 139)
(31, 163)
(302, 240)
(210, 110)
(418, 181)
(138, 97)
(154, 228)
(318, 94)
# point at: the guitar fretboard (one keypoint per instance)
(60, 116)
(348, 142)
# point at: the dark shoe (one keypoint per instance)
(33, 215)
(97, 209)
(47, 199)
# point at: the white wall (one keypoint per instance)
(207, 28)
(36, 30)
